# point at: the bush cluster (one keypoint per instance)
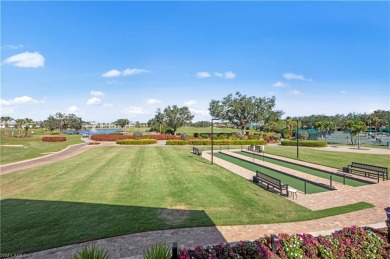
(216, 142)
(352, 242)
(304, 143)
(136, 141)
(108, 137)
(53, 139)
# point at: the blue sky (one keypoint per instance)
(108, 60)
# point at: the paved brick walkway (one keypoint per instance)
(130, 246)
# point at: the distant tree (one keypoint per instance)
(60, 121)
(74, 122)
(121, 122)
(241, 110)
(26, 123)
(175, 117)
(355, 127)
(6, 120)
(19, 125)
(157, 123)
(201, 124)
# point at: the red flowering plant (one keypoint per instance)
(352, 242)
(53, 139)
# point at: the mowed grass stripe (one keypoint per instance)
(111, 191)
(291, 181)
(333, 159)
(307, 170)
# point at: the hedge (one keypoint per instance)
(110, 137)
(53, 139)
(216, 142)
(304, 143)
(136, 141)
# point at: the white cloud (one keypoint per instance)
(112, 73)
(97, 93)
(18, 100)
(230, 75)
(10, 46)
(94, 101)
(107, 105)
(134, 71)
(203, 74)
(292, 76)
(135, 111)
(153, 101)
(26, 59)
(73, 109)
(227, 75)
(280, 84)
(199, 112)
(190, 102)
(295, 92)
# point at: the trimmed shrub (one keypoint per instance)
(216, 142)
(304, 143)
(286, 133)
(104, 137)
(53, 139)
(136, 141)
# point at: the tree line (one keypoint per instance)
(238, 111)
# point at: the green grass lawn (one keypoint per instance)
(111, 191)
(307, 170)
(328, 158)
(285, 179)
(32, 147)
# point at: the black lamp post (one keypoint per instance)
(297, 136)
(212, 140)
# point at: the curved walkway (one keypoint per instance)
(130, 246)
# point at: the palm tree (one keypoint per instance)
(6, 119)
(26, 123)
(19, 125)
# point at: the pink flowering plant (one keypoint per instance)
(352, 242)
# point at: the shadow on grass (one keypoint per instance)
(33, 225)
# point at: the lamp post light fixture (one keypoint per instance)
(212, 140)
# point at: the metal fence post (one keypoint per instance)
(331, 178)
(305, 187)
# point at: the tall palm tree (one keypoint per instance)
(6, 120)
(19, 125)
(26, 123)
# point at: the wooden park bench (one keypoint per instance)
(367, 170)
(270, 181)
